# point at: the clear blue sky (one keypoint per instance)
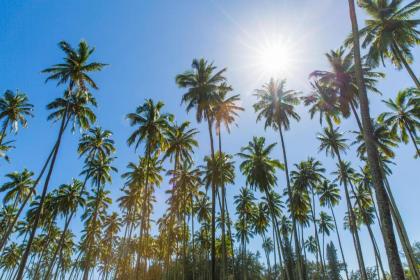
(147, 43)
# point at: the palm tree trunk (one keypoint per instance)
(312, 205)
(414, 141)
(213, 208)
(391, 247)
(400, 56)
(339, 244)
(192, 238)
(402, 232)
(59, 248)
(143, 228)
(224, 255)
(44, 192)
(289, 190)
(353, 229)
(371, 235)
(230, 237)
(3, 133)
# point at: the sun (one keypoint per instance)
(274, 58)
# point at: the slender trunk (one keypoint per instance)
(192, 238)
(274, 251)
(224, 255)
(312, 205)
(300, 269)
(402, 232)
(230, 237)
(144, 221)
(356, 116)
(372, 238)
(3, 133)
(339, 244)
(394, 261)
(213, 207)
(352, 224)
(44, 192)
(401, 57)
(414, 141)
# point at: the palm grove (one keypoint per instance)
(197, 237)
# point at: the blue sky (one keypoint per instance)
(147, 43)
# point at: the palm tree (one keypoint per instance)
(390, 32)
(94, 217)
(312, 246)
(268, 247)
(384, 141)
(340, 81)
(306, 178)
(14, 109)
(333, 142)
(404, 118)
(203, 84)
(225, 113)
(151, 128)
(96, 141)
(112, 225)
(186, 181)
(10, 259)
(99, 169)
(326, 225)
(261, 222)
(259, 169)
(276, 105)
(17, 189)
(75, 72)
(382, 199)
(245, 209)
(180, 143)
(329, 195)
(69, 198)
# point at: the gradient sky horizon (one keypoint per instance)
(147, 43)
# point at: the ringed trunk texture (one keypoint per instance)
(382, 199)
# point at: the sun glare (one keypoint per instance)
(274, 58)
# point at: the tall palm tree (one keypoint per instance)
(70, 197)
(382, 199)
(225, 113)
(245, 209)
(94, 217)
(390, 32)
(14, 109)
(203, 82)
(151, 127)
(276, 105)
(326, 225)
(261, 222)
(186, 181)
(333, 142)
(75, 73)
(259, 169)
(404, 118)
(329, 195)
(306, 178)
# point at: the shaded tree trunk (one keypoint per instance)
(391, 247)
